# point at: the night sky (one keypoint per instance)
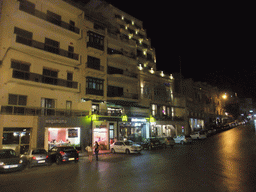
(216, 42)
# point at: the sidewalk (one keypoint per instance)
(101, 152)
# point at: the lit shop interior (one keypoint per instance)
(134, 130)
(196, 124)
(62, 136)
(163, 130)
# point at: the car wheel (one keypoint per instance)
(113, 150)
(127, 151)
(182, 142)
(58, 161)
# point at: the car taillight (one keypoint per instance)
(77, 151)
(77, 158)
(34, 157)
(62, 153)
(47, 157)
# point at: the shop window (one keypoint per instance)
(63, 136)
(17, 139)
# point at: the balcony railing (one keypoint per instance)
(46, 47)
(48, 18)
(125, 95)
(39, 111)
(43, 79)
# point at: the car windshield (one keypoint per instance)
(128, 143)
(39, 151)
(7, 154)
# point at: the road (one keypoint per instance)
(224, 162)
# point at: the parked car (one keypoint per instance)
(198, 135)
(167, 141)
(182, 139)
(152, 143)
(60, 154)
(36, 157)
(9, 161)
(125, 147)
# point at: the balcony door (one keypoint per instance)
(48, 106)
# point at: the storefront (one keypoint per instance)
(133, 129)
(56, 136)
(18, 132)
(100, 134)
(71, 131)
(163, 129)
(196, 124)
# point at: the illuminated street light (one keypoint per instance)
(224, 96)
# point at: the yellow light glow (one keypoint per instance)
(171, 77)
(162, 73)
(151, 71)
(224, 96)
(140, 67)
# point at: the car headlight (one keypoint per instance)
(21, 161)
(2, 163)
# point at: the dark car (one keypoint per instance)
(152, 143)
(167, 141)
(9, 161)
(35, 157)
(62, 154)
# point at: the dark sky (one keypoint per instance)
(216, 42)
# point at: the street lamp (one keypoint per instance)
(224, 96)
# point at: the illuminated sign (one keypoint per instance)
(138, 120)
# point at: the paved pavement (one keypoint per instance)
(84, 154)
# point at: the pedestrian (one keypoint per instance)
(96, 150)
(90, 151)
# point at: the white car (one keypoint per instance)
(125, 147)
(198, 135)
(182, 139)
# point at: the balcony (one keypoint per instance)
(121, 57)
(39, 111)
(40, 49)
(48, 82)
(54, 24)
(123, 96)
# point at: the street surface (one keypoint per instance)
(223, 162)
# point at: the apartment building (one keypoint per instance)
(204, 105)
(40, 80)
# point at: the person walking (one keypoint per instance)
(96, 150)
(90, 151)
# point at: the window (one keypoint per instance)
(51, 46)
(48, 106)
(93, 62)
(17, 100)
(94, 86)
(154, 109)
(71, 25)
(70, 52)
(95, 40)
(23, 36)
(114, 91)
(20, 66)
(50, 77)
(27, 7)
(53, 18)
(21, 70)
